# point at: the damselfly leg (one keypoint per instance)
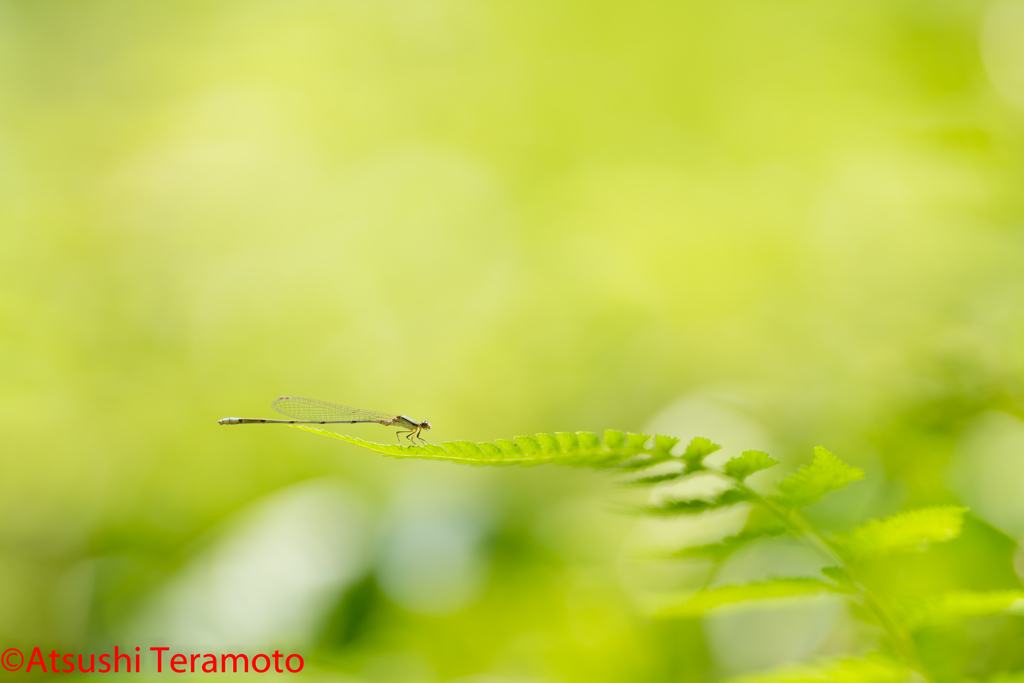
(411, 435)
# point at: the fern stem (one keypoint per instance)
(795, 522)
(901, 640)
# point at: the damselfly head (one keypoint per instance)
(425, 424)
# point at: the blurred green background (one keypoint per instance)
(774, 224)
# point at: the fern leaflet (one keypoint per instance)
(906, 531)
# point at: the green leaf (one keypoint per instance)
(549, 444)
(614, 439)
(906, 531)
(843, 580)
(808, 484)
(775, 588)
(874, 668)
(641, 456)
(664, 444)
(568, 442)
(636, 443)
(749, 462)
(528, 444)
(623, 451)
(717, 552)
(953, 606)
(656, 478)
(1007, 677)
(697, 450)
(685, 507)
(581, 449)
(661, 452)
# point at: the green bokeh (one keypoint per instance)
(799, 220)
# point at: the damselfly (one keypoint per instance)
(309, 412)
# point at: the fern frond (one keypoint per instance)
(906, 531)
(770, 516)
(706, 600)
(622, 451)
(825, 474)
(872, 669)
(952, 606)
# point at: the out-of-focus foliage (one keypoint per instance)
(874, 670)
(844, 556)
(749, 463)
(773, 224)
(808, 484)
(907, 531)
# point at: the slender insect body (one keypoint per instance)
(309, 411)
